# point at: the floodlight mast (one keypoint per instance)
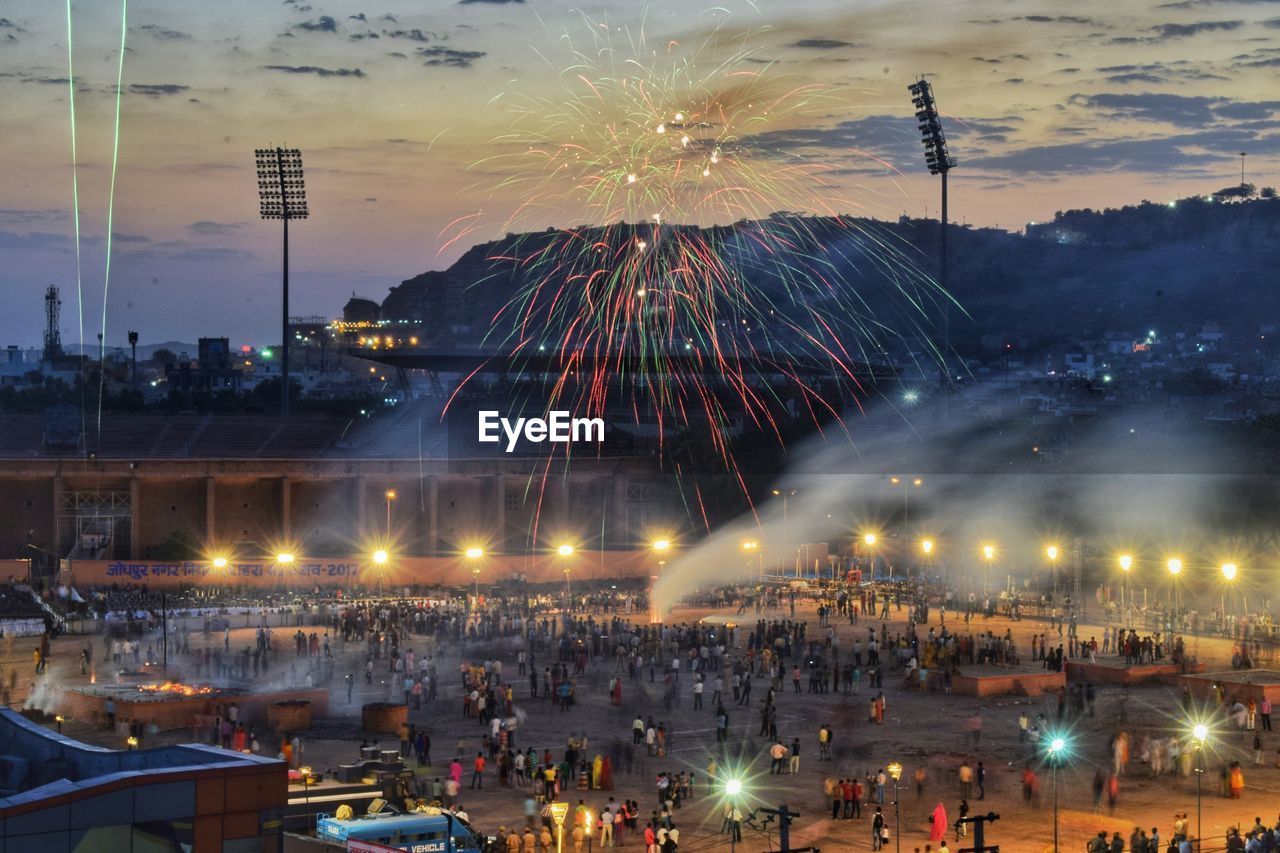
(282, 195)
(939, 162)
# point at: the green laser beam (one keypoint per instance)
(75, 181)
(111, 200)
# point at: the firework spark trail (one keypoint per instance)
(649, 298)
(111, 203)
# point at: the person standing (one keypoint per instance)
(794, 764)
(982, 781)
(966, 780)
(879, 830)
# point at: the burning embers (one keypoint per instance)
(177, 688)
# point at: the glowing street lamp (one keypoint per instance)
(927, 547)
(732, 788)
(566, 550)
(1199, 733)
(895, 773)
(390, 496)
(473, 554)
(661, 547)
(219, 562)
(989, 554)
(1056, 752)
(284, 558)
(1229, 571)
(1052, 553)
(1175, 569)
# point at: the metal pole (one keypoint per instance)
(164, 627)
(284, 320)
(946, 307)
(1055, 806)
(897, 823)
(1199, 779)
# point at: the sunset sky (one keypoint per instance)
(392, 103)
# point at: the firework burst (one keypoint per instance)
(711, 263)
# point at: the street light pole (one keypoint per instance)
(895, 773)
(1199, 732)
(282, 195)
(1056, 747)
(1054, 771)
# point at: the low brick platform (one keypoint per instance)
(176, 711)
(996, 681)
(1148, 673)
(1242, 684)
(383, 717)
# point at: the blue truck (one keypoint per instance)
(434, 831)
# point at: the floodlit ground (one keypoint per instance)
(926, 730)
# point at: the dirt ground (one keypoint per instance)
(920, 730)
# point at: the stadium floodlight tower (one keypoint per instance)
(282, 195)
(940, 162)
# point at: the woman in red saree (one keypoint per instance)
(939, 828)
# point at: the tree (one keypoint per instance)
(164, 356)
(1267, 192)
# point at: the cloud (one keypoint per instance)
(1153, 155)
(359, 16)
(209, 228)
(1166, 32)
(36, 240)
(1135, 77)
(492, 2)
(412, 35)
(1157, 72)
(1060, 19)
(821, 44)
(313, 69)
(1182, 110)
(129, 238)
(1271, 23)
(368, 34)
(1189, 4)
(22, 216)
(448, 57)
(1247, 110)
(155, 90)
(6, 24)
(163, 32)
(323, 24)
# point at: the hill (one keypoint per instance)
(1087, 272)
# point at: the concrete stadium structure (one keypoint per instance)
(319, 485)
